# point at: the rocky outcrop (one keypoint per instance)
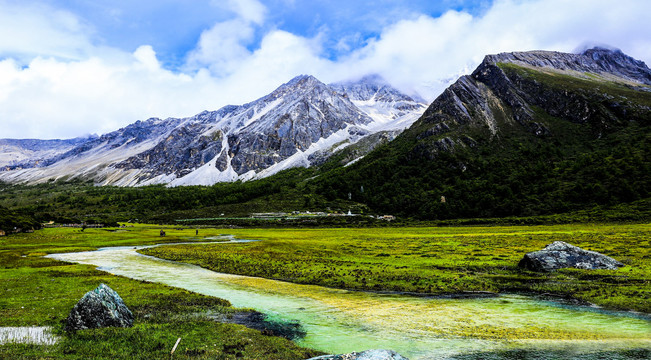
(494, 97)
(364, 355)
(559, 255)
(102, 307)
(184, 149)
(596, 60)
(347, 153)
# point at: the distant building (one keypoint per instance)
(388, 217)
(269, 215)
(91, 226)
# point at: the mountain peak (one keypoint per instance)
(298, 84)
(371, 86)
(303, 80)
(614, 58)
(600, 50)
(596, 60)
(368, 79)
(373, 79)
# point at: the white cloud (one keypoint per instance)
(54, 82)
(249, 10)
(421, 53)
(29, 29)
(51, 98)
(281, 56)
(222, 48)
(147, 57)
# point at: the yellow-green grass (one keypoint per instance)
(37, 291)
(437, 260)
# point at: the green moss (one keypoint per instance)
(37, 291)
(436, 260)
(593, 85)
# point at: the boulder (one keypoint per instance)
(364, 355)
(559, 255)
(102, 307)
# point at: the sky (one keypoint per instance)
(71, 68)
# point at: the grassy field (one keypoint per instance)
(437, 260)
(36, 291)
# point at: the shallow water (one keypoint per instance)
(39, 335)
(339, 321)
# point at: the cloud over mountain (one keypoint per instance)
(60, 76)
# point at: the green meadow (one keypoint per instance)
(37, 291)
(437, 260)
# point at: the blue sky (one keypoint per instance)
(74, 67)
(174, 27)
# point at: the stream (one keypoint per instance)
(341, 321)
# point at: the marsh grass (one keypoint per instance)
(436, 261)
(635, 354)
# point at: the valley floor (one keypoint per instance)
(437, 261)
(37, 291)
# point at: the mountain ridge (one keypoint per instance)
(595, 60)
(19, 153)
(256, 139)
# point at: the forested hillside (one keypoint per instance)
(11, 221)
(512, 139)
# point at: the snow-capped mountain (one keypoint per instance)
(18, 154)
(276, 132)
(389, 108)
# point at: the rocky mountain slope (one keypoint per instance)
(281, 130)
(18, 154)
(526, 133)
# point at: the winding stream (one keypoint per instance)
(339, 321)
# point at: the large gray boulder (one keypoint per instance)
(559, 255)
(364, 355)
(102, 307)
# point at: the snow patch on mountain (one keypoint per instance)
(389, 108)
(301, 158)
(209, 173)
